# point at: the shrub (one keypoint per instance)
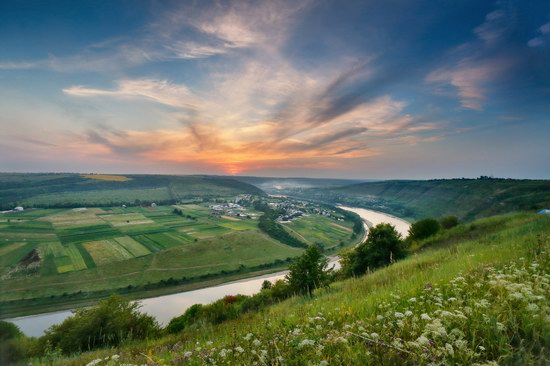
(109, 323)
(449, 222)
(423, 229)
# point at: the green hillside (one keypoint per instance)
(465, 198)
(478, 296)
(74, 190)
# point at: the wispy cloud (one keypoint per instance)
(160, 91)
(473, 65)
(543, 37)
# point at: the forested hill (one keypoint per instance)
(73, 190)
(465, 198)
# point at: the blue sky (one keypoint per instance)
(358, 89)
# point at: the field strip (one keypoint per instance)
(349, 230)
(123, 275)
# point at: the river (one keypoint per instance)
(164, 308)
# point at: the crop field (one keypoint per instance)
(106, 177)
(50, 252)
(320, 230)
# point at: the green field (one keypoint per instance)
(113, 248)
(320, 230)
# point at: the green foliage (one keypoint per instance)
(382, 247)
(308, 272)
(179, 323)
(423, 229)
(268, 225)
(109, 323)
(448, 222)
(14, 345)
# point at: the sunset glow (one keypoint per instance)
(287, 88)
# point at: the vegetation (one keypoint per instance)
(109, 323)
(54, 258)
(382, 247)
(423, 229)
(268, 225)
(479, 300)
(448, 222)
(467, 199)
(74, 190)
(308, 272)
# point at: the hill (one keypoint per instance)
(477, 295)
(275, 185)
(75, 190)
(466, 198)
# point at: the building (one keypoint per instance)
(18, 209)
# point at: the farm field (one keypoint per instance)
(59, 252)
(320, 230)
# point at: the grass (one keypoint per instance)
(480, 299)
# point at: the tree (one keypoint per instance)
(308, 272)
(382, 247)
(449, 222)
(423, 229)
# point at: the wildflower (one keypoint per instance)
(323, 363)
(306, 343)
(425, 317)
(532, 307)
(94, 362)
(397, 314)
(423, 341)
(374, 335)
(408, 313)
(239, 349)
(115, 357)
(379, 317)
(187, 354)
(449, 349)
(248, 336)
(481, 348)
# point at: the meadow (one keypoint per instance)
(468, 300)
(53, 257)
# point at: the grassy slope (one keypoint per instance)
(466, 198)
(45, 190)
(498, 324)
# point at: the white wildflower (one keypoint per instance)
(425, 317)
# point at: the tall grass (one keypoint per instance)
(480, 299)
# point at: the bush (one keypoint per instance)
(382, 247)
(449, 222)
(109, 323)
(179, 323)
(423, 229)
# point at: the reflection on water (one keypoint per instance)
(164, 308)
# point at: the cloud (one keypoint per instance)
(497, 23)
(160, 91)
(474, 65)
(542, 38)
(22, 65)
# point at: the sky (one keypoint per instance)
(344, 89)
